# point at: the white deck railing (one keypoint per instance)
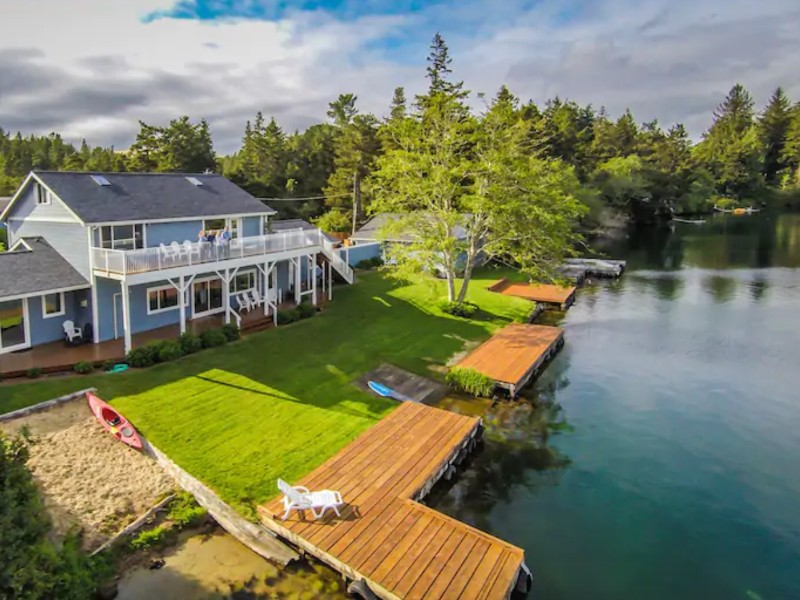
(186, 254)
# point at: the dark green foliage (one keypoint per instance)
(150, 538)
(33, 372)
(184, 511)
(470, 381)
(213, 338)
(190, 343)
(369, 263)
(465, 310)
(181, 147)
(145, 356)
(773, 127)
(289, 315)
(31, 567)
(231, 332)
(108, 365)
(169, 350)
(306, 309)
(83, 367)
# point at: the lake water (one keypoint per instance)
(662, 457)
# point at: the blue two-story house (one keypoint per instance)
(110, 255)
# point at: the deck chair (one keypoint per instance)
(71, 331)
(191, 250)
(299, 498)
(175, 250)
(244, 302)
(255, 298)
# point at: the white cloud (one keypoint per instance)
(92, 68)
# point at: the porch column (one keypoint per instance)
(226, 295)
(275, 287)
(298, 280)
(95, 312)
(126, 316)
(182, 303)
(330, 282)
(313, 269)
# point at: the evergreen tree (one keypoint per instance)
(398, 106)
(342, 110)
(181, 147)
(773, 129)
(790, 155)
(439, 69)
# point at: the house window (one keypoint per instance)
(220, 224)
(53, 305)
(42, 195)
(161, 299)
(244, 281)
(122, 237)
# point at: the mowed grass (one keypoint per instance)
(279, 403)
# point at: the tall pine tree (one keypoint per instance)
(773, 128)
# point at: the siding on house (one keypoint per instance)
(251, 226)
(178, 231)
(51, 329)
(140, 320)
(54, 223)
(106, 288)
(355, 254)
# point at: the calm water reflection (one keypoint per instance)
(671, 464)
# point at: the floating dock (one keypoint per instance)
(385, 540)
(580, 268)
(553, 295)
(515, 354)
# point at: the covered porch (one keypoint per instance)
(55, 357)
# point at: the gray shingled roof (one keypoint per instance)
(38, 270)
(370, 231)
(150, 196)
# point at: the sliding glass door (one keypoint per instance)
(207, 297)
(13, 330)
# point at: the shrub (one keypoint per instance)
(169, 350)
(465, 310)
(149, 538)
(83, 367)
(108, 365)
(34, 372)
(290, 315)
(470, 382)
(145, 356)
(305, 310)
(190, 343)
(184, 511)
(213, 338)
(369, 263)
(231, 332)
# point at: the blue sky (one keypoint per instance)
(93, 68)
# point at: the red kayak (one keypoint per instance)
(118, 425)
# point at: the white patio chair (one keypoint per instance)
(71, 331)
(255, 298)
(299, 498)
(244, 302)
(166, 254)
(175, 250)
(193, 250)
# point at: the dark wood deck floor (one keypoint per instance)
(400, 547)
(60, 356)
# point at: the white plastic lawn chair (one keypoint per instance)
(71, 331)
(192, 250)
(299, 498)
(255, 298)
(244, 302)
(175, 250)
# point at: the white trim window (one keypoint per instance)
(53, 305)
(244, 281)
(43, 195)
(122, 237)
(217, 225)
(161, 299)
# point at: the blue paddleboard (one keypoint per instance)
(380, 389)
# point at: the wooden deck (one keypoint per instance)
(515, 354)
(56, 357)
(399, 547)
(556, 295)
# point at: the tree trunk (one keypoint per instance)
(451, 282)
(356, 201)
(462, 294)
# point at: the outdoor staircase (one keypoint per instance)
(337, 262)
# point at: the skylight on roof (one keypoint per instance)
(100, 180)
(194, 181)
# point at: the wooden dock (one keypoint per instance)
(384, 538)
(580, 268)
(515, 354)
(553, 295)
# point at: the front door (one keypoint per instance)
(13, 327)
(207, 297)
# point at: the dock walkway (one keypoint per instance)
(544, 293)
(515, 354)
(385, 538)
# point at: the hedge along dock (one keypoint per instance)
(385, 540)
(552, 295)
(515, 354)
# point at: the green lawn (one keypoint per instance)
(279, 403)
